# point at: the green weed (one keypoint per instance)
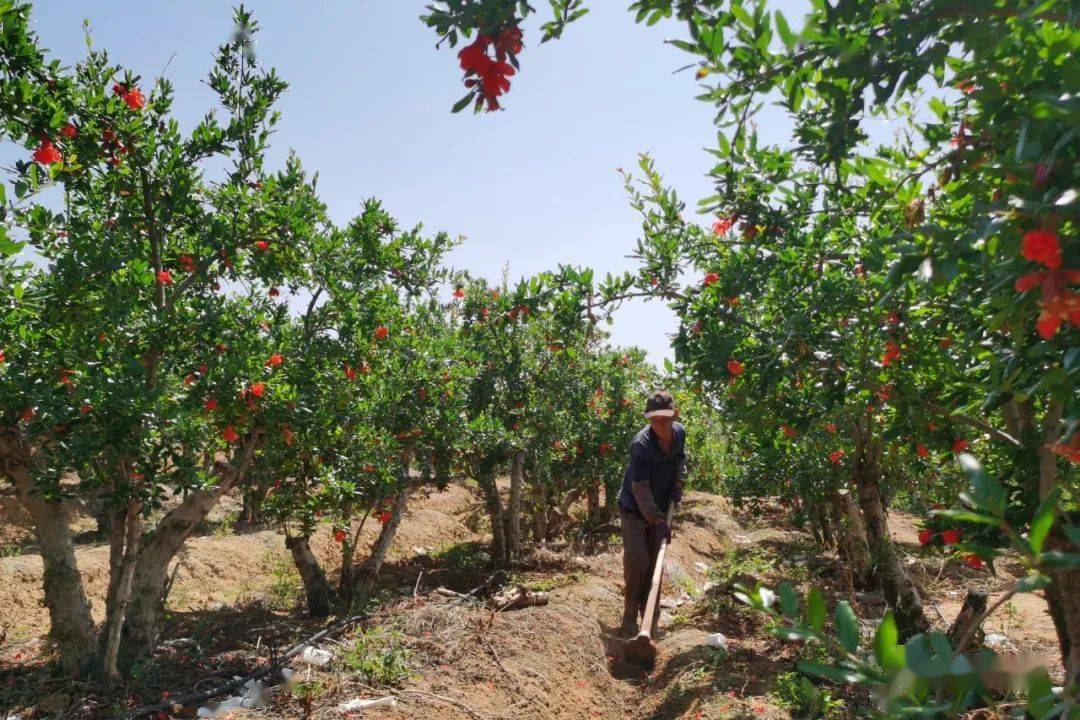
(379, 656)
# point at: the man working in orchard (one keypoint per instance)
(653, 480)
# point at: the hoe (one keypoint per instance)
(641, 650)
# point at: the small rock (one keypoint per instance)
(701, 567)
(419, 550)
(666, 618)
(995, 640)
(717, 640)
(668, 603)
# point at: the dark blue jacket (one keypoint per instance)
(651, 476)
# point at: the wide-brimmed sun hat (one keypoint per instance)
(660, 404)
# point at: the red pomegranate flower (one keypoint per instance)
(275, 360)
(229, 434)
(836, 456)
(187, 262)
(27, 414)
(459, 293)
(788, 430)
(164, 277)
(69, 131)
(830, 427)
(2, 356)
(1042, 246)
(134, 99)
(189, 379)
(210, 404)
(960, 445)
(382, 332)
(921, 450)
(951, 537)
(925, 537)
(273, 292)
(710, 278)
(735, 367)
(350, 372)
(384, 516)
(605, 448)
(973, 561)
(892, 354)
(369, 468)
(721, 226)
(339, 536)
(85, 408)
(47, 154)
(258, 389)
(262, 245)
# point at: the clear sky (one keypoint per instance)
(369, 109)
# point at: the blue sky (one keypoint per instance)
(368, 109)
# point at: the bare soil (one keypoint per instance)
(232, 606)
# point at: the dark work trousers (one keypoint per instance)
(641, 543)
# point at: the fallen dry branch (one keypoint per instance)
(518, 598)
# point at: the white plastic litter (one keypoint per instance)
(717, 640)
(316, 657)
(363, 704)
(995, 640)
(253, 696)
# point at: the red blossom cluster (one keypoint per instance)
(47, 154)
(735, 367)
(892, 354)
(1059, 304)
(486, 74)
(132, 97)
(721, 226)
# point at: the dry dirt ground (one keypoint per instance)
(233, 605)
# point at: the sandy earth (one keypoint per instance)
(557, 661)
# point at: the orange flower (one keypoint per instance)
(830, 427)
(47, 154)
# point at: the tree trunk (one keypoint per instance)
(316, 589)
(122, 592)
(540, 513)
(899, 590)
(972, 609)
(493, 504)
(442, 470)
(71, 625)
(517, 482)
(1063, 597)
(386, 535)
(159, 547)
(251, 514)
(594, 503)
(851, 540)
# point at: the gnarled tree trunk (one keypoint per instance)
(71, 625)
(540, 512)
(386, 536)
(316, 589)
(851, 540)
(142, 624)
(900, 592)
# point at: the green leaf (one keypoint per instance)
(815, 609)
(887, 648)
(782, 27)
(1056, 558)
(462, 103)
(989, 494)
(1043, 521)
(925, 659)
(966, 516)
(789, 603)
(847, 626)
(841, 675)
(1031, 583)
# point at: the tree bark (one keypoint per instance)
(851, 540)
(71, 625)
(118, 608)
(386, 536)
(159, 548)
(316, 589)
(594, 503)
(972, 609)
(900, 592)
(517, 482)
(540, 513)
(493, 504)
